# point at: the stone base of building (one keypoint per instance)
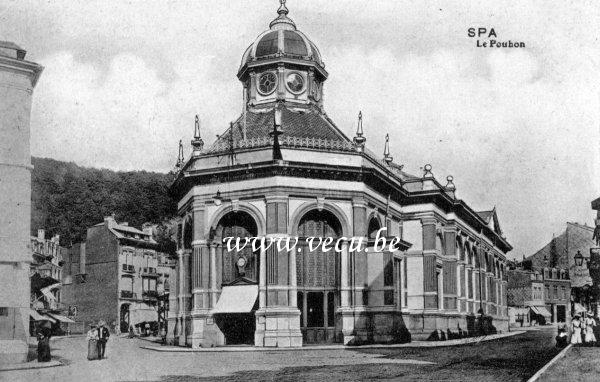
(278, 327)
(13, 351)
(372, 326)
(205, 332)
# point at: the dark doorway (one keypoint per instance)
(314, 310)
(238, 328)
(561, 313)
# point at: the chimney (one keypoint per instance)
(41, 234)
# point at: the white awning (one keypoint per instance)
(36, 316)
(236, 299)
(541, 310)
(62, 318)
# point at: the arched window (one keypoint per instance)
(316, 271)
(237, 225)
(188, 233)
(374, 226)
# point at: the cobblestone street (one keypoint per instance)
(511, 359)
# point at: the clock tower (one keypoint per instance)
(282, 64)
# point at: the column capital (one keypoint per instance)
(359, 202)
(282, 198)
(429, 220)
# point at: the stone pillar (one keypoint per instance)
(184, 296)
(344, 270)
(430, 253)
(293, 283)
(213, 276)
(173, 317)
(352, 278)
(17, 80)
(278, 317)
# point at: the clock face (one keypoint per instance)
(295, 83)
(266, 83)
(241, 262)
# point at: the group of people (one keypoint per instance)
(582, 331)
(97, 337)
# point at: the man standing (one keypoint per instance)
(103, 334)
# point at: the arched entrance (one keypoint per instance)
(317, 277)
(124, 318)
(238, 268)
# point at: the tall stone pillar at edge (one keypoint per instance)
(18, 77)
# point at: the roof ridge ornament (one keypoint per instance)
(197, 142)
(282, 21)
(359, 139)
(386, 150)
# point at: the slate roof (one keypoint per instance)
(298, 124)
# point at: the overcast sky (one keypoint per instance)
(517, 128)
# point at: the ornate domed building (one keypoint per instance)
(284, 170)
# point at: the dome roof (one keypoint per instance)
(282, 40)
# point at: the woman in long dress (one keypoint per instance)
(576, 330)
(92, 337)
(590, 338)
(43, 336)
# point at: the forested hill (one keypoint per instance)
(67, 198)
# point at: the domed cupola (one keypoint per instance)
(282, 64)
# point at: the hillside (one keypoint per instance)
(67, 198)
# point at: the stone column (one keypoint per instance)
(213, 276)
(293, 291)
(278, 318)
(344, 270)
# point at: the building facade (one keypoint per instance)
(545, 294)
(284, 170)
(18, 78)
(46, 271)
(559, 257)
(525, 296)
(116, 275)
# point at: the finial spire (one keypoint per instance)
(197, 142)
(359, 140)
(197, 128)
(282, 8)
(179, 164)
(386, 151)
(282, 21)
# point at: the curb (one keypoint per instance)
(539, 373)
(30, 365)
(416, 344)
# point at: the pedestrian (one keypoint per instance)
(576, 330)
(131, 332)
(92, 337)
(43, 336)
(561, 338)
(590, 338)
(103, 334)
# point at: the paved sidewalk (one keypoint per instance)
(579, 363)
(414, 344)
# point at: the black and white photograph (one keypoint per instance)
(299, 190)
